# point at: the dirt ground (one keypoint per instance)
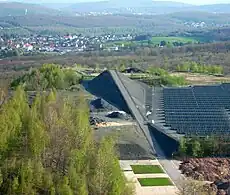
(200, 79)
(114, 124)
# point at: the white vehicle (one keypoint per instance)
(148, 113)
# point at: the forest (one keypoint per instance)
(47, 147)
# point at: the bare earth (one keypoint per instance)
(200, 79)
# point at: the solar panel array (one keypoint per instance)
(198, 110)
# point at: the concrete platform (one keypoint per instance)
(161, 190)
(140, 190)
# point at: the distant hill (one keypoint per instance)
(119, 23)
(201, 16)
(145, 6)
(219, 8)
(116, 5)
(54, 7)
(20, 9)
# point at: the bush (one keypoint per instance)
(204, 147)
(173, 80)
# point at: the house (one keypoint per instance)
(28, 47)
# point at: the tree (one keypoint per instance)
(185, 67)
(194, 67)
(183, 146)
(163, 43)
(48, 147)
(196, 149)
(47, 77)
(122, 67)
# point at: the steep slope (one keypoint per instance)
(104, 86)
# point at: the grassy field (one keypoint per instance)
(155, 41)
(155, 182)
(146, 169)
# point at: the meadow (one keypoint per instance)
(155, 41)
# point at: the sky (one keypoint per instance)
(201, 2)
(196, 2)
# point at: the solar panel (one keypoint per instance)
(198, 110)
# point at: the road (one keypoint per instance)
(167, 164)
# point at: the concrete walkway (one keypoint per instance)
(140, 190)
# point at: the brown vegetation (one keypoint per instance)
(216, 170)
(208, 169)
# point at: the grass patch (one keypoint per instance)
(155, 182)
(146, 169)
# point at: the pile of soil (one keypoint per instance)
(118, 115)
(100, 105)
(95, 120)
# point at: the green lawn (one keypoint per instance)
(155, 182)
(146, 169)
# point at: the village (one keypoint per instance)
(10, 46)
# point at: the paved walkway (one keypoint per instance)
(153, 190)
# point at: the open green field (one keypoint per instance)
(157, 40)
(155, 182)
(146, 169)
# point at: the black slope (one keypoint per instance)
(140, 93)
(103, 86)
